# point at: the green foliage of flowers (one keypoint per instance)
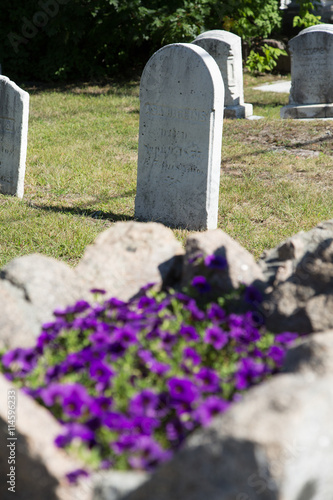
(131, 380)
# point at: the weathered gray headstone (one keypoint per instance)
(14, 113)
(226, 49)
(311, 94)
(180, 138)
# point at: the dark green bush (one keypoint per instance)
(83, 39)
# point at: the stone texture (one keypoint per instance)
(180, 134)
(299, 278)
(277, 443)
(226, 48)
(128, 256)
(40, 467)
(242, 267)
(311, 94)
(18, 324)
(14, 113)
(116, 484)
(46, 283)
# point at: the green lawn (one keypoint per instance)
(276, 176)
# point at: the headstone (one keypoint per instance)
(311, 94)
(14, 112)
(180, 138)
(226, 49)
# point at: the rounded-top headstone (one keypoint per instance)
(180, 137)
(311, 66)
(226, 49)
(14, 112)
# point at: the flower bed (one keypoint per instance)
(131, 380)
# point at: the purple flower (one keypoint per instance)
(216, 262)
(190, 354)
(182, 389)
(216, 337)
(212, 406)
(45, 338)
(144, 403)
(52, 394)
(148, 454)
(175, 430)
(99, 405)
(208, 380)
(75, 400)
(249, 372)
(201, 284)
(216, 313)
(116, 350)
(277, 354)
(252, 295)
(101, 372)
(168, 340)
(189, 332)
(286, 337)
(26, 359)
(125, 442)
(144, 425)
(72, 431)
(73, 476)
(145, 355)
(146, 302)
(125, 336)
(79, 307)
(196, 314)
(11, 357)
(98, 291)
(158, 368)
(116, 421)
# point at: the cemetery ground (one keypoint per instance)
(276, 175)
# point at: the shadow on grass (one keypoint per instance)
(272, 147)
(85, 212)
(119, 87)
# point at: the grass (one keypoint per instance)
(276, 175)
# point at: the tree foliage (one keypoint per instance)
(82, 39)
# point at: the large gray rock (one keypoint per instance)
(18, 324)
(46, 283)
(40, 467)
(299, 279)
(277, 443)
(241, 268)
(128, 256)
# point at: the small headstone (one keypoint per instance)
(14, 113)
(180, 138)
(311, 93)
(226, 49)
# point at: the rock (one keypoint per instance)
(18, 324)
(299, 279)
(128, 256)
(46, 283)
(293, 250)
(40, 467)
(116, 484)
(313, 354)
(277, 443)
(242, 267)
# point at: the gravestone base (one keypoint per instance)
(241, 111)
(306, 111)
